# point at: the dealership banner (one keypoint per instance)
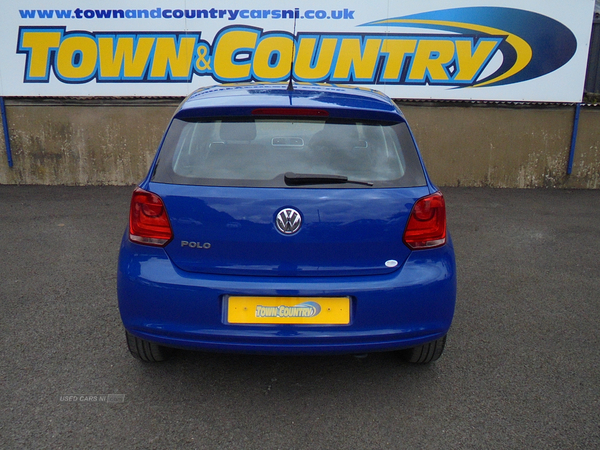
(509, 50)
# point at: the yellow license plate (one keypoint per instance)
(289, 310)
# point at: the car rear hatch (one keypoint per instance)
(231, 230)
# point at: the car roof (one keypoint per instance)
(340, 102)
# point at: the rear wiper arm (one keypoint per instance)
(300, 179)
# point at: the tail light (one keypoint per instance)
(148, 220)
(426, 227)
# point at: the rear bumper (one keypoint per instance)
(409, 307)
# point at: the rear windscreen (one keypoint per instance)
(259, 152)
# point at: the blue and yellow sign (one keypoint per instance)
(495, 51)
(288, 310)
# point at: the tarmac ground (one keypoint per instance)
(521, 368)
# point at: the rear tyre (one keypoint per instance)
(145, 350)
(426, 353)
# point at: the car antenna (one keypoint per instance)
(290, 86)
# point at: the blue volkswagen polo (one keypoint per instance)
(287, 219)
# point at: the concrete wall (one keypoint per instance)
(83, 142)
(78, 142)
(506, 146)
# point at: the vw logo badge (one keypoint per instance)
(288, 221)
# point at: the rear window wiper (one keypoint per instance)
(301, 179)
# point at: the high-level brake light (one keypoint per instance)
(305, 112)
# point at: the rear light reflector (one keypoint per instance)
(426, 227)
(148, 220)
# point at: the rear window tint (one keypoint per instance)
(259, 152)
